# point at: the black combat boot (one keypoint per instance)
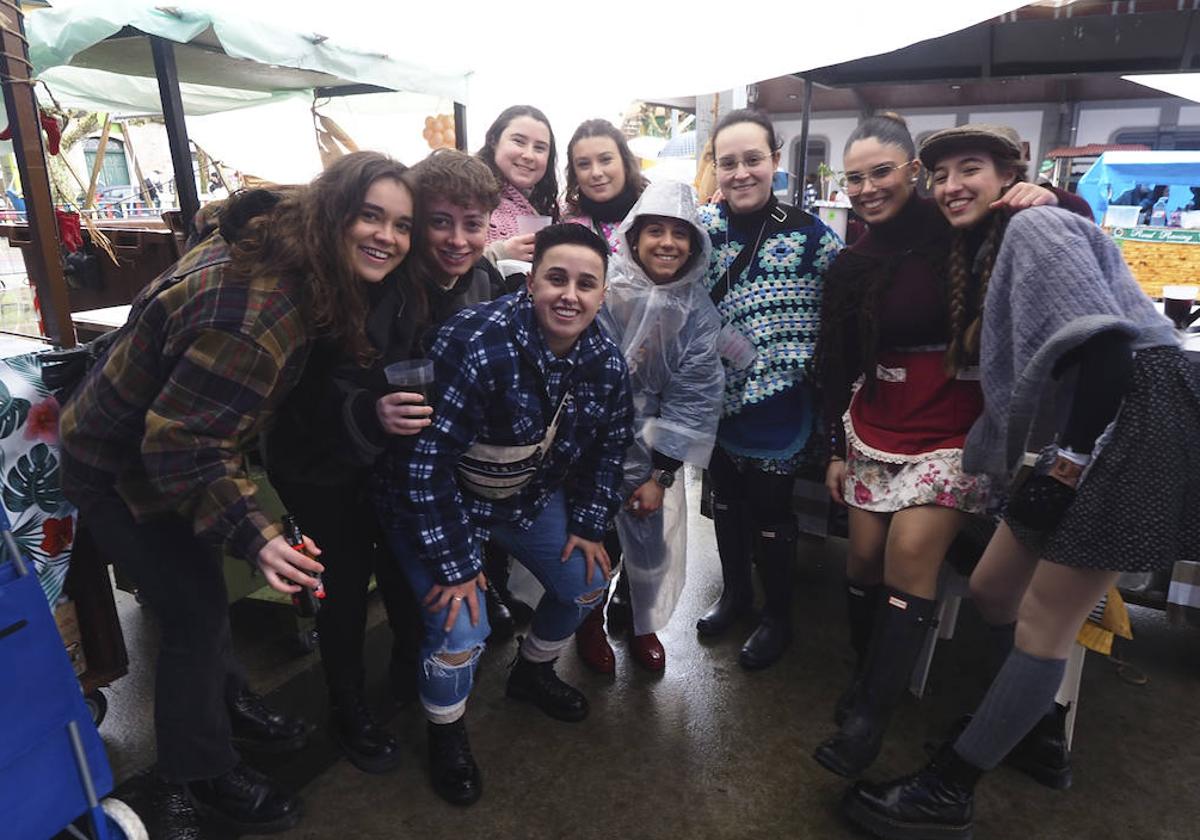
(537, 683)
(452, 768)
(935, 803)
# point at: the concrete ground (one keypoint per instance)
(707, 750)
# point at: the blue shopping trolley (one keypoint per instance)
(53, 769)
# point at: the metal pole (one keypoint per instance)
(43, 260)
(172, 108)
(802, 179)
(460, 126)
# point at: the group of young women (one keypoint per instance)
(916, 366)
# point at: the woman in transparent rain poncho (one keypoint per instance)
(659, 313)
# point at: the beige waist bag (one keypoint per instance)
(500, 472)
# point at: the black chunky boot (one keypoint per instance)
(496, 567)
(899, 633)
(737, 594)
(536, 682)
(258, 727)
(862, 605)
(245, 801)
(452, 768)
(935, 803)
(1043, 754)
(366, 744)
(775, 558)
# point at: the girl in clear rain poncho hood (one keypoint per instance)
(659, 313)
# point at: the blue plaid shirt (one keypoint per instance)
(496, 382)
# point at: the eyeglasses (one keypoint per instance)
(750, 161)
(855, 181)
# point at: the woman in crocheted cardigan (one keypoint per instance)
(765, 277)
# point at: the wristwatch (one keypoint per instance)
(663, 478)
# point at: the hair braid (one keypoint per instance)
(958, 276)
(990, 248)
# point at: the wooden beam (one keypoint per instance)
(43, 258)
(177, 137)
(460, 126)
(137, 167)
(98, 164)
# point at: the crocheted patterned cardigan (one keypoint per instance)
(775, 302)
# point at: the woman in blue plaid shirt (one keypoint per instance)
(528, 374)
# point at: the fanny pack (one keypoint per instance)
(500, 472)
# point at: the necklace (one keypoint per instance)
(757, 241)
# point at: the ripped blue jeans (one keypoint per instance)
(445, 686)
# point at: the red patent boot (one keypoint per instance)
(592, 644)
(648, 651)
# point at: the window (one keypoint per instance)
(818, 153)
(114, 171)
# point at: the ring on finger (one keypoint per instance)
(457, 598)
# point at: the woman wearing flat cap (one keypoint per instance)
(1079, 369)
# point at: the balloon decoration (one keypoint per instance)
(439, 131)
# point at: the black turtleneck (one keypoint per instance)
(752, 221)
(613, 210)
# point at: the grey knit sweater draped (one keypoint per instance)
(1058, 280)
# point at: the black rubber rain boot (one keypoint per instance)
(775, 558)
(862, 606)
(935, 803)
(899, 634)
(731, 523)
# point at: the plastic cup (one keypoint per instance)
(531, 224)
(411, 375)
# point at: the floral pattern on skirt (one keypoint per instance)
(885, 487)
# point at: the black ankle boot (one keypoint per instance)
(862, 605)
(775, 557)
(366, 744)
(737, 593)
(500, 619)
(256, 726)
(452, 768)
(537, 683)
(896, 643)
(496, 566)
(1043, 754)
(934, 803)
(245, 801)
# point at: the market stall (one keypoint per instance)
(1148, 202)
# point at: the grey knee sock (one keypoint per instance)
(1018, 699)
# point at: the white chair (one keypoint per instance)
(952, 588)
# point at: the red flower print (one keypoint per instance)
(42, 423)
(862, 493)
(945, 499)
(57, 535)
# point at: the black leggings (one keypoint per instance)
(341, 521)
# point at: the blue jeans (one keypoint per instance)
(568, 598)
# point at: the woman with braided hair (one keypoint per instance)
(1077, 365)
(899, 305)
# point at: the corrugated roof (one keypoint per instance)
(1095, 149)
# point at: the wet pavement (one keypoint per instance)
(707, 750)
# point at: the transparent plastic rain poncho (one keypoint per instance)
(668, 335)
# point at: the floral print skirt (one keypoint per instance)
(885, 487)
